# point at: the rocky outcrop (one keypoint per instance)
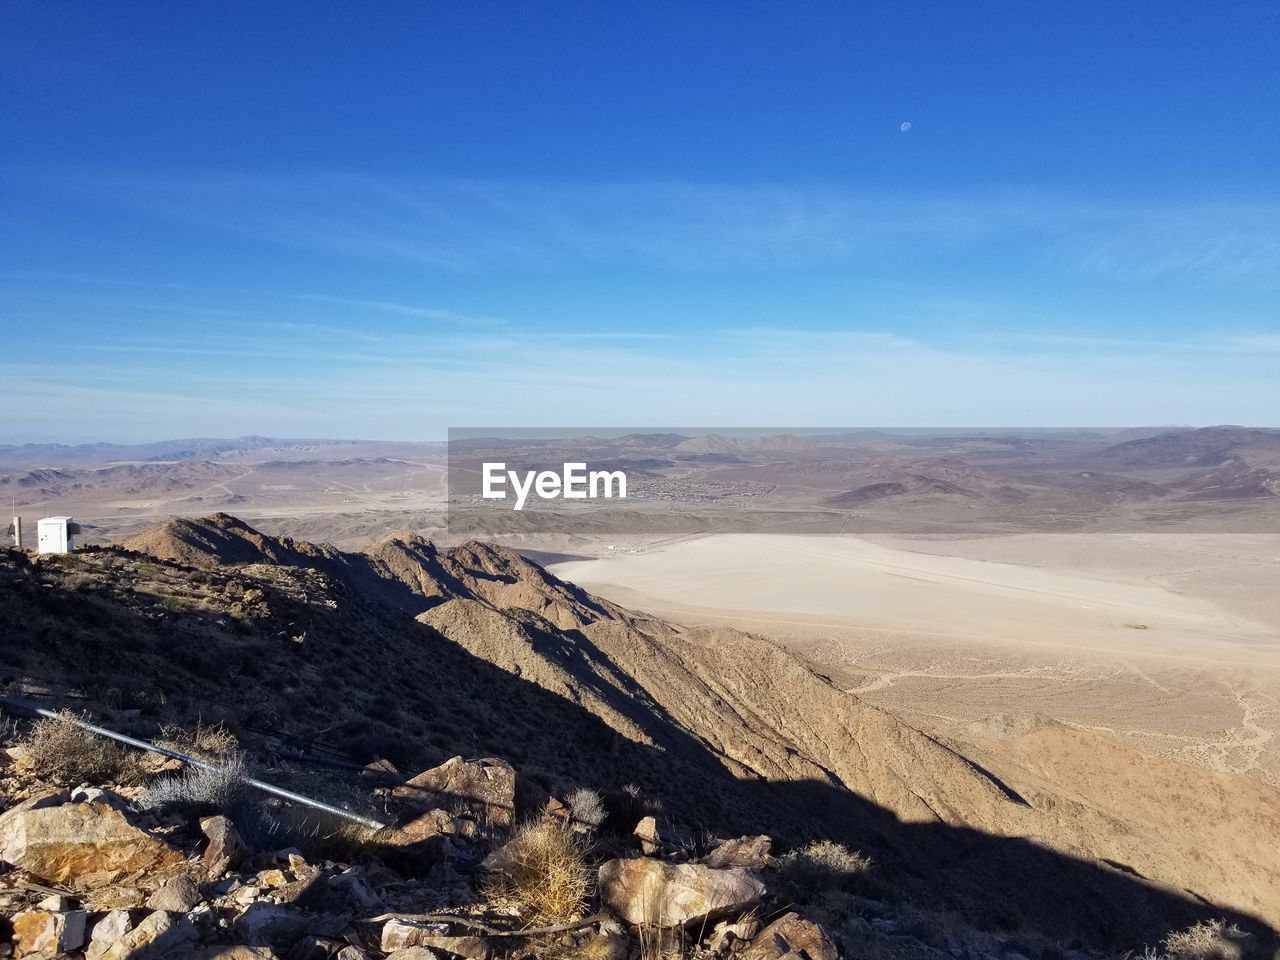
(646, 834)
(40, 933)
(751, 853)
(399, 934)
(109, 930)
(649, 892)
(486, 789)
(85, 844)
(791, 936)
(225, 849)
(178, 894)
(159, 935)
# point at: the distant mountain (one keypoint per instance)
(911, 484)
(649, 441)
(1232, 481)
(718, 443)
(200, 448)
(1204, 447)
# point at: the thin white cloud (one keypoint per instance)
(465, 225)
(1263, 342)
(416, 386)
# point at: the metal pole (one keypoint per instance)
(195, 762)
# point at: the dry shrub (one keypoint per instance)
(206, 743)
(324, 837)
(201, 790)
(660, 942)
(9, 731)
(821, 867)
(587, 807)
(561, 947)
(547, 877)
(68, 755)
(1207, 940)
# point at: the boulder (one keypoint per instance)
(648, 892)
(225, 849)
(350, 885)
(159, 935)
(429, 824)
(107, 931)
(485, 788)
(791, 936)
(752, 853)
(99, 795)
(399, 934)
(235, 953)
(501, 861)
(270, 925)
(176, 895)
(414, 851)
(270, 879)
(311, 891)
(85, 844)
(42, 933)
(557, 811)
(646, 834)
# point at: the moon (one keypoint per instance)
(905, 126)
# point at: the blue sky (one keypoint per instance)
(381, 220)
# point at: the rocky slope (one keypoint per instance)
(117, 872)
(411, 653)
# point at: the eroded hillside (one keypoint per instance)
(414, 654)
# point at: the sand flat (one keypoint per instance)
(852, 582)
(1169, 642)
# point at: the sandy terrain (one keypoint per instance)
(1171, 642)
(349, 501)
(955, 597)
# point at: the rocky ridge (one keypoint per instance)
(408, 653)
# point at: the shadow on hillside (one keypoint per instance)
(363, 662)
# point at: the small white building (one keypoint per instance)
(56, 535)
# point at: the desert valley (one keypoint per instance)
(639, 481)
(986, 634)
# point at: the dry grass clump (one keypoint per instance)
(821, 867)
(207, 743)
(1208, 940)
(68, 755)
(322, 837)
(9, 731)
(593, 946)
(660, 942)
(201, 790)
(547, 877)
(587, 807)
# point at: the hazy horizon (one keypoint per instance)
(456, 433)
